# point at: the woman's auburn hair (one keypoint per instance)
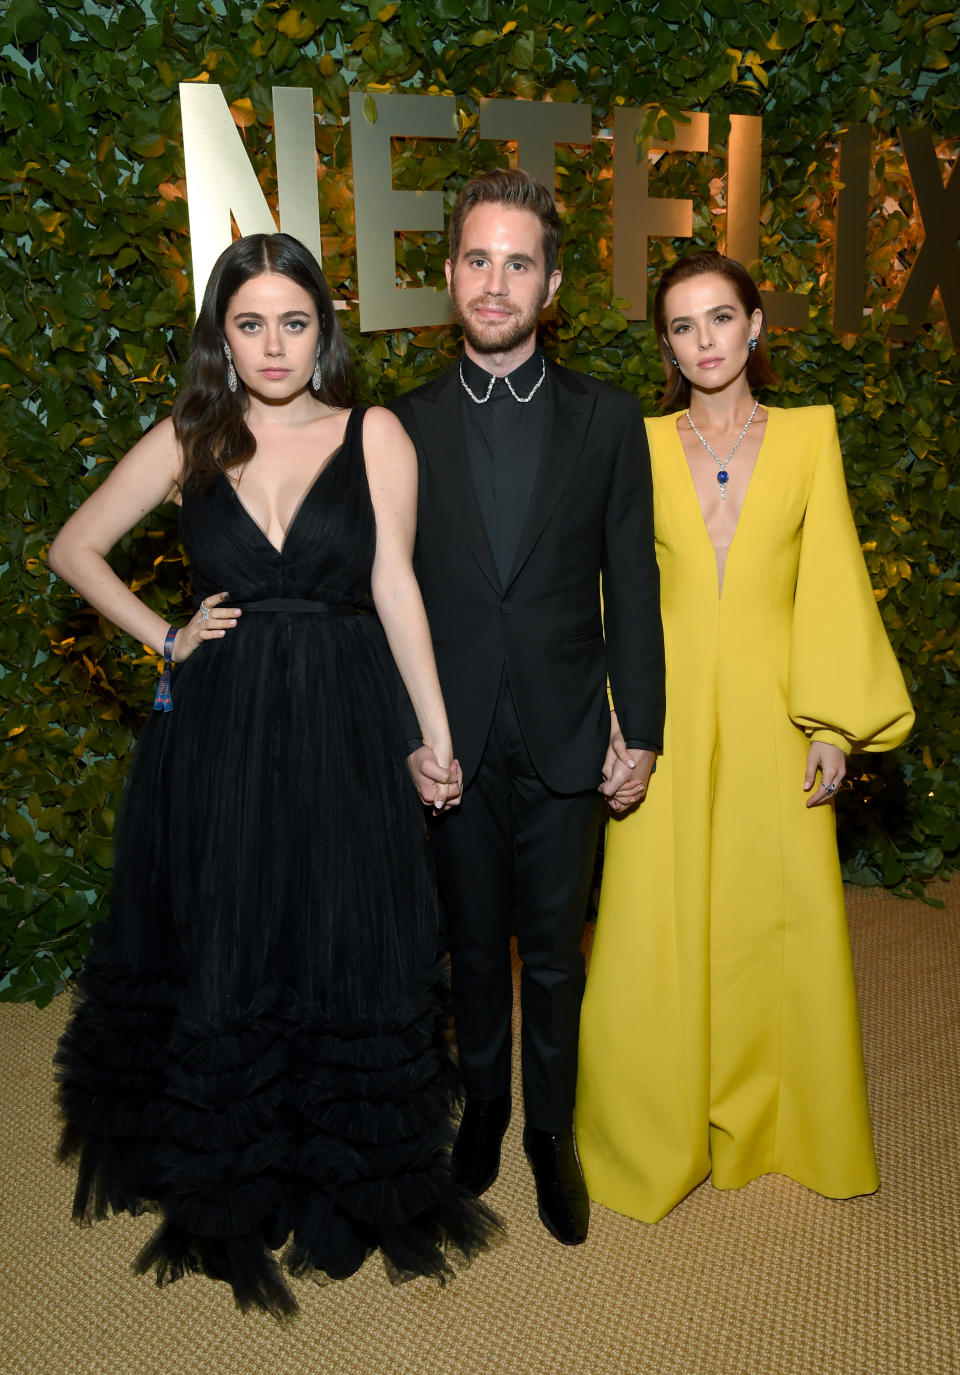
(209, 420)
(760, 372)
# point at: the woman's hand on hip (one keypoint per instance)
(211, 621)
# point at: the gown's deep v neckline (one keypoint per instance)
(310, 488)
(702, 522)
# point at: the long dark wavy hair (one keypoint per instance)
(760, 373)
(208, 419)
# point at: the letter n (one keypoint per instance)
(222, 183)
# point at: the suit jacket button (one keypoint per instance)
(506, 606)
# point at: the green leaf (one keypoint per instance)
(25, 22)
(17, 827)
(25, 869)
(523, 51)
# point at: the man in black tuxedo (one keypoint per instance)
(534, 484)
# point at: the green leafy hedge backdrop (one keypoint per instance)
(95, 251)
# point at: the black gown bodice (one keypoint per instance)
(328, 550)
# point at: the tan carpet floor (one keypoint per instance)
(767, 1280)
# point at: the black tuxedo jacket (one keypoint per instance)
(590, 516)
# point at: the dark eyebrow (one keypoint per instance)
(711, 310)
(255, 315)
(511, 257)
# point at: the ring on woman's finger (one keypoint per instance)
(829, 788)
(204, 612)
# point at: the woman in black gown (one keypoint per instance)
(258, 1050)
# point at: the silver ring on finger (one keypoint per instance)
(829, 789)
(204, 612)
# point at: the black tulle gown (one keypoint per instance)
(258, 1049)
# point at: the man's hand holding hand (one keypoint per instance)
(626, 772)
(439, 787)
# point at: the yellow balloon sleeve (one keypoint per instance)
(845, 685)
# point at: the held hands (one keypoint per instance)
(831, 762)
(626, 772)
(438, 782)
(218, 620)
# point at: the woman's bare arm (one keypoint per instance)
(146, 477)
(392, 476)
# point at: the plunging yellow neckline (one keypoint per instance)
(743, 507)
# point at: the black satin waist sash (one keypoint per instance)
(303, 604)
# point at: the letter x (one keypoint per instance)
(937, 265)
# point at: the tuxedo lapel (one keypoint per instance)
(444, 451)
(570, 408)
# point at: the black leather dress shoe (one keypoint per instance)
(475, 1161)
(561, 1193)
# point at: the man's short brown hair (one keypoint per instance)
(509, 186)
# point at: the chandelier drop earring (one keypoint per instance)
(231, 370)
(317, 377)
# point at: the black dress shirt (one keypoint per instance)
(504, 438)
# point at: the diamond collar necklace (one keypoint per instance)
(482, 400)
(723, 477)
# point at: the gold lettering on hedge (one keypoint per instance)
(638, 216)
(853, 209)
(221, 180)
(935, 267)
(295, 147)
(380, 211)
(743, 188)
(536, 126)
(743, 217)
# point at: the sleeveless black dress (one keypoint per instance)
(259, 1046)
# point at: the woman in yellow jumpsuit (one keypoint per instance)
(720, 1031)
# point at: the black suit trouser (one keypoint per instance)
(515, 853)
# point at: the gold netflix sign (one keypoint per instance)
(221, 183)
